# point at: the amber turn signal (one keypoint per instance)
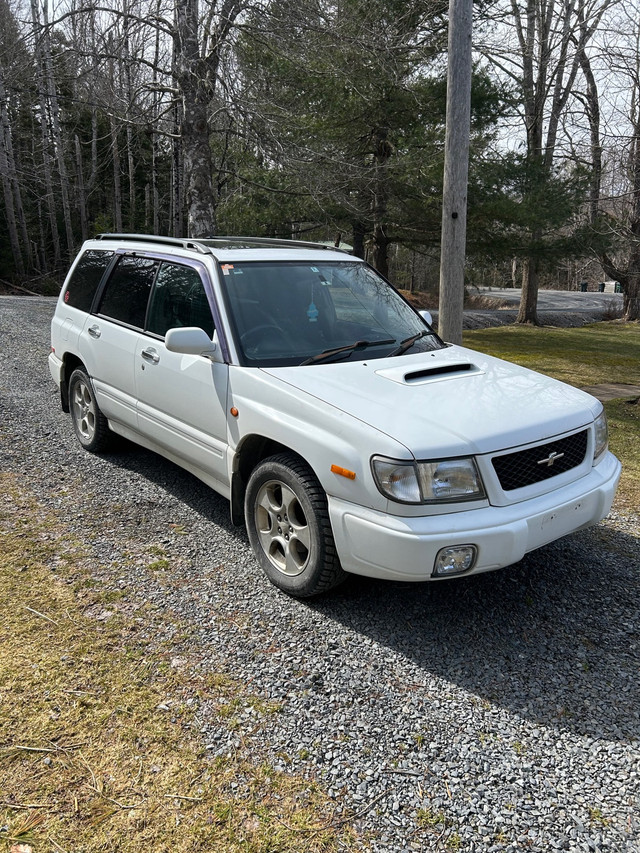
(344, 472)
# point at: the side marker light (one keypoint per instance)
(344, 472)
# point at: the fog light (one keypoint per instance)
(455, 560)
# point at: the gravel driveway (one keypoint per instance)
(493, 713)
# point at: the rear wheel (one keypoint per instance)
(289, 529)
(90, 425)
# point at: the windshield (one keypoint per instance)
(287, 313)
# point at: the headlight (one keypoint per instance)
(601, 436)
(450, 480)
(396, 480)
(428, 482)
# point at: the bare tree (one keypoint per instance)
(544, 63)
(8, 176)
(616, 217)
(52, 135)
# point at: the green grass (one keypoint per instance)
(590, 355)
(624, 441)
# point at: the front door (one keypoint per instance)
(182, 399)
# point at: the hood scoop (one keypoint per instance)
(441, 370)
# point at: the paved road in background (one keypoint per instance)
(555, 308)
(559, 300)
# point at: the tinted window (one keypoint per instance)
(178, 299)
(127, 292)
(85, 278)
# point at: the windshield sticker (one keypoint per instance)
(315, 269)
(226, 268)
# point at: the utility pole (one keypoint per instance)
(456, 172)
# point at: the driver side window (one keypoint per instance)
(178, 299)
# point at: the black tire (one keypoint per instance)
(90, 425)
(288, 524)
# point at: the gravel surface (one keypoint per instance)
(493, 713)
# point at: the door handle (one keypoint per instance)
(94, 331)
(151, 355)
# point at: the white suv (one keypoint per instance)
(347, 435)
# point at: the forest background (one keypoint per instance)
(324, 121)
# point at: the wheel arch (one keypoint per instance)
(69, 363)
(252, 450)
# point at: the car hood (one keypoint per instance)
(450, 402)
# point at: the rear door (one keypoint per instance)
(108, 339)
(182, 398)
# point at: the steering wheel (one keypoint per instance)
(256, 335)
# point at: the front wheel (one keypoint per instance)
(90, 425)
(289, 529)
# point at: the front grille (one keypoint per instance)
(526, 467)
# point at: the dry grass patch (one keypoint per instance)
(428, 301)
(97, 752)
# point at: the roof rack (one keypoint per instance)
(205, 244)
(274, 242)
(153, 238)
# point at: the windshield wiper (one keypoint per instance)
(407, 343)
(344, 351)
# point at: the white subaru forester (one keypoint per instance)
(347, 435)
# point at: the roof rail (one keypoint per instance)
(205, 244)
(275, 242)
(183, 242)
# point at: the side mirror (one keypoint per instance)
(192, 340)
(426, 315)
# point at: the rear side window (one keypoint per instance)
(127, 291)
(85, 279)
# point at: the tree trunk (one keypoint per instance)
(155, 146)
(380, 254)
(196, 95)
(528, 312)
(131, 172)
(7, 184)
(379, 201)
(94, 151)
(177, 185)
(126, 73)
(46, 154)
(593, 117)
(632, 298)
(359, 231)
(82, 195)
(10, 213)
(147, 209)
(117, 180)
(629, 275)
(45, 60)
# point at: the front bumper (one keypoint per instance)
(379, 545)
